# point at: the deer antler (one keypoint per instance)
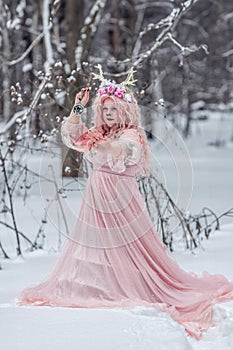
(100, 76)
(129, 80)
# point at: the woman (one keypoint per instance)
(114, 257)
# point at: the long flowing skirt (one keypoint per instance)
(114, 258)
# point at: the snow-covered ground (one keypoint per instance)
(139, 328)
(91, 329)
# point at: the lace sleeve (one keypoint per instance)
(130, 151)
(71, 132)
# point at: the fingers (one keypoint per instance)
(85, 98)
(78, 97)
(82, 96)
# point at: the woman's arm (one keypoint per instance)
(122, 152)
(73, 127)
(71, 130)
(109, 147)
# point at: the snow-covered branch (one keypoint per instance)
(27, 51)
(25, 114)
(167, 25)
(228, 53)
(47, 25)
(35, 100)
(9, 124)
(88, 30)
(184, 50)
(145, 4)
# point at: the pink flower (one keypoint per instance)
(119, 93)
(110, 89)
(102, 91)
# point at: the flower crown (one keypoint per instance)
(112, 88)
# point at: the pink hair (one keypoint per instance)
(129, 114)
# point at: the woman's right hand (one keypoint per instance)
(82, 97)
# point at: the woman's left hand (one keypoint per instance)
(109, 147)
(102, 146)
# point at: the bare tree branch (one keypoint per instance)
(87, 31)
(27, 51)
(168, 24)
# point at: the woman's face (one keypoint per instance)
(110, 112)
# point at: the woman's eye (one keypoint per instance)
(114, 108)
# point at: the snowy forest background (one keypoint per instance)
(183, 54)
(182, 51)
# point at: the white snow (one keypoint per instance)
(141, 328)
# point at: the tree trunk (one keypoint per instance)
(5, 74)
(74, 18)
(74, 10)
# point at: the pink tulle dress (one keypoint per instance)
(114, 257)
